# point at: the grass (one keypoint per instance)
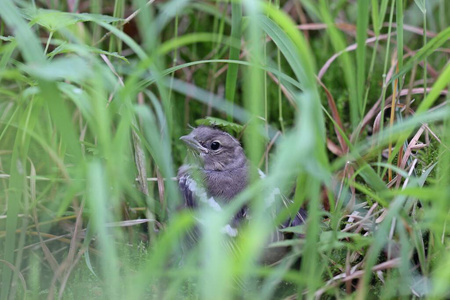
(344, 104)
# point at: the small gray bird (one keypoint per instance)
(218, 174)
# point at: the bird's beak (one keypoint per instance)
(193, 143)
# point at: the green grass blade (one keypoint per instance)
(232, 73)
(361, 36)
(424, 52)
(399, 22)
(347, 64)
(26, 40)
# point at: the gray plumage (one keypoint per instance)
(221, 167)
(220, 171)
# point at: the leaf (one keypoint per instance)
(68, 68)
(329, 236)
(197, 37)
(439, 85)
(230, 88)
(421, 5)
(15, 74)
(27, 41)
(285, 45)
(361, 36)
(375, 17)
(79, 97)
(295, 229)
(211, 9)
(287, 243)
(96, 18)
(424, 52)
(83, 50)
(223, 124)
(50, 19)
(333, 240)
(426, 173)
(371, 177)
(7, 38)
(54, 20)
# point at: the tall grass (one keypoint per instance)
(344, 103)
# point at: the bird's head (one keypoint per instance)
(217, 150)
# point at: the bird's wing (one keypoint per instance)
(194, 193)
(190, 186)
(300, 218)
(185, 183)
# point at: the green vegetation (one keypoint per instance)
(94, 96)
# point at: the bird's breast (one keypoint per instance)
(225, 185)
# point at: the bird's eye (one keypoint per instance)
(215, 145)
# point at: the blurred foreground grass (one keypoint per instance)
(344, 105)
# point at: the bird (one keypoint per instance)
(219, 172)
(222, 169)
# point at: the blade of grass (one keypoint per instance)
(231, 80)
(362, 24)
(424, 52)
(98, 199)
(27, 42)
(32, 52)
(310, 132)
(116, 44)
(347, 65)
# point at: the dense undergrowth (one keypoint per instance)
(344, 105)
